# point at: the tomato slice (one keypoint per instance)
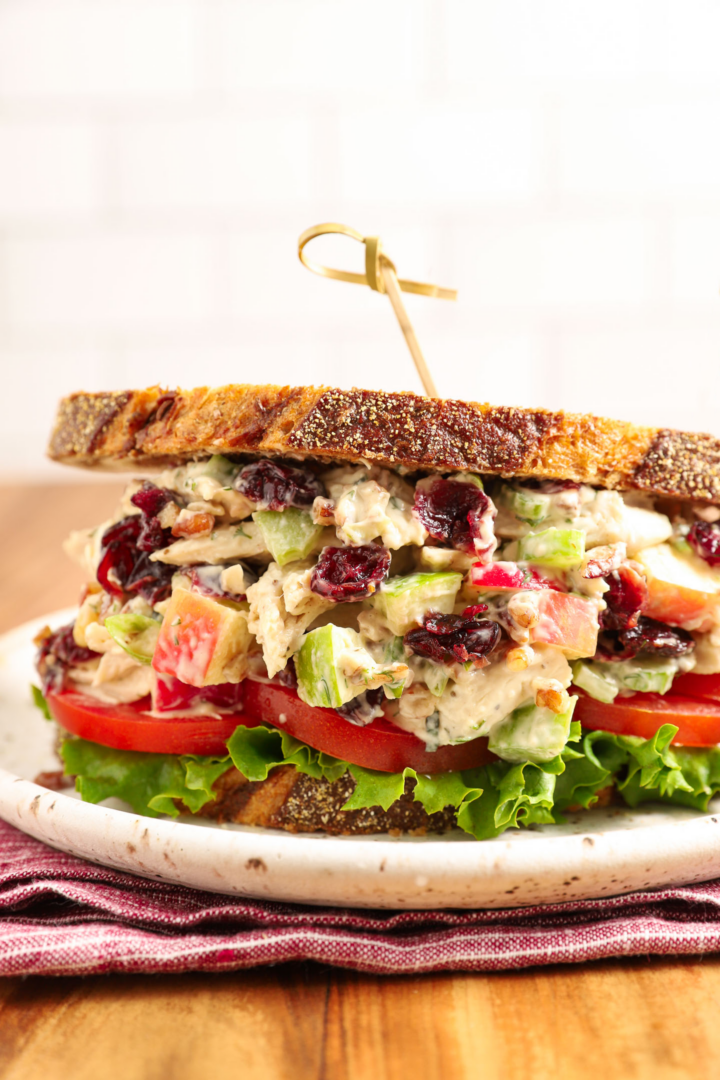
(698, 722)
(706, 687)
(379, 745)
(128, 727)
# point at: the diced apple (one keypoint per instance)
(508, 576)
(567, 621)
(681, 587)
(202, 641)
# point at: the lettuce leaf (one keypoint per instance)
(641, 769)
(486, 801)
(149, 782)
(38, 700)
(255, 751)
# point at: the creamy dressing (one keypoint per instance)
(479, 698)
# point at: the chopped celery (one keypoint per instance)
(529, 506)
(468, 478)
(289, 534)
(531, 733)
(435, 678)
(561, 548)
(646, 676)
(604, 681)
(324, 660)
(595, 682)
(216, 468)
(136, 634)
(402, 601)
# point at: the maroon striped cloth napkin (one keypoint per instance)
(60, 915)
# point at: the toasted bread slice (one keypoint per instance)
(154, 427)
(295, 802)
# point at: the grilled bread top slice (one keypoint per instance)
(135, 429)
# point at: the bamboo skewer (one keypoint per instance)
(381, 276)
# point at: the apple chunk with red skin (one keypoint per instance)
(508, 576)
(682, 589)
(202, 641)
(568, 622)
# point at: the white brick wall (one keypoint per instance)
(558, 162)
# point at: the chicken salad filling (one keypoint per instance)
(455, 606)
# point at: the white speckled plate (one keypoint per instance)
(595, 854)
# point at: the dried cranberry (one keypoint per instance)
(272, 486)
(452, 638)
(654, 638)
(151, 499)
(364, 708)
(704, 539)
(118, 554)
(625, 597)
(350, 573)
(152, 536)
(172, 695)
(124, 567)
(57, 653)
(456, 514)
(288, 675)
(151, 580)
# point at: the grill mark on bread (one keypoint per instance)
(137, 428)
(82, 420)
(681, 458)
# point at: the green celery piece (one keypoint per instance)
(648, 677)
(562, 548)
(531, 733)
(468, 478)
(680, 544)
(320, 682)
(529, 506)
(435, 677)
(217, 468)
(402, 601)
(136, 634)
(595, 681)
(289, 534)
(604, 681)
(317, 664)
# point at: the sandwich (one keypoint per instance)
(353, 612)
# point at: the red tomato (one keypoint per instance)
(698, 722)
(127, 727)
(706, 687)
(380, 745)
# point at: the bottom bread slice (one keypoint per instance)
(295, 802)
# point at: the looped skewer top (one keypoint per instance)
(381, 276)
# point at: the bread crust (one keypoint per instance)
(297, 803)
(155, 427)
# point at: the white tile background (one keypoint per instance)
(556, 160)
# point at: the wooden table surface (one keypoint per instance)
(620, 1019)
